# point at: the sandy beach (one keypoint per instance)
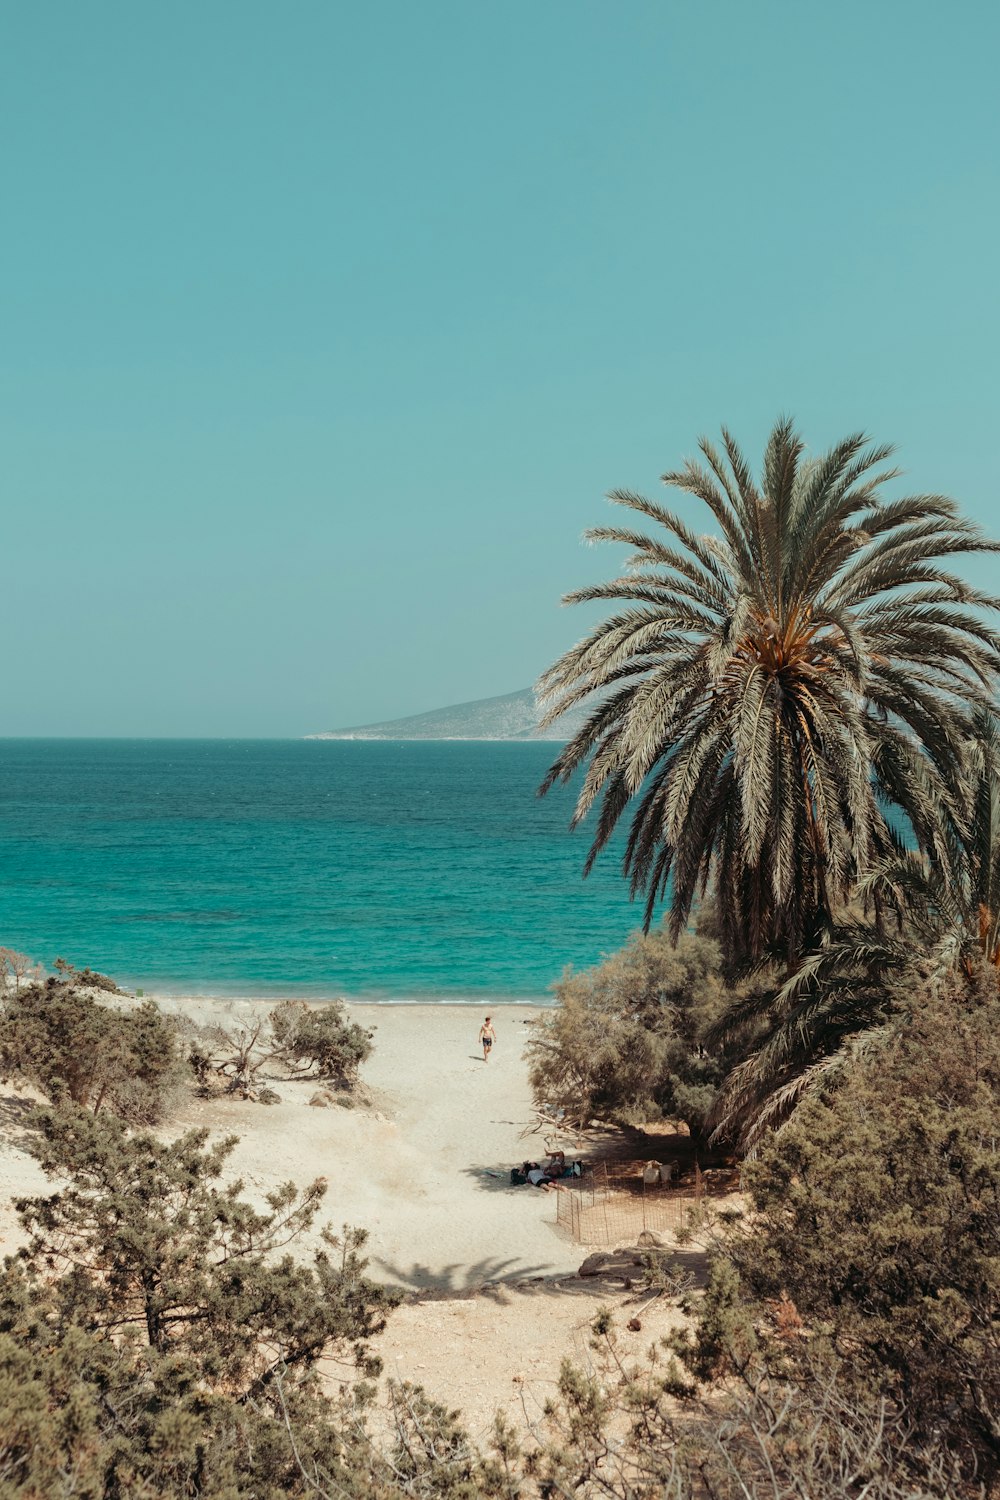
(413, 1167)
(492, 1299)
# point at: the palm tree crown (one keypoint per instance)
(770, 698)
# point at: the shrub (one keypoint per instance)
(634, 1431)
(876, 1220)
(70, 1046)
(626, 1039)
(303, 1041)
(156, 1338)
(87, 979)
(319, 1041)
(17, 969)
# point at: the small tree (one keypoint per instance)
(632, 1431)
(876, 1218)
(156, 1335)
(301, 1040)
(16, 969)
(320, 1041)
(87, 978)
(64, 1042)
(626, 1039)
(233, 1054)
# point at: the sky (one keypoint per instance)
(325, 327)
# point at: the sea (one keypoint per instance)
(396, 871)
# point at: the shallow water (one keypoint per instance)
(384, 870)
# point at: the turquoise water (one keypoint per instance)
(385, 870)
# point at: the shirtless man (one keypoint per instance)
(487, 1036)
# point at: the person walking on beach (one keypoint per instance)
(487, 1036)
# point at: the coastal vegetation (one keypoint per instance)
(798, 714)
(875, 1213)
(304, 1042)
(16, 969)
(55, 1035)
(773, 702)
(849, 1339)
(158, 1337)
(847, 995)
(135, 1062)
(627, 1041)
(161, 1336)
(793, 711)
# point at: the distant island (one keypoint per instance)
(511, 716)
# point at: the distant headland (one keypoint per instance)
(511, 716)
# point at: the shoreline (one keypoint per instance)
(273, 995)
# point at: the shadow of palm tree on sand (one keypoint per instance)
(454, 1279)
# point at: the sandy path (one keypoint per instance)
(413, 1169)
(20, 1174)
(502, 1350)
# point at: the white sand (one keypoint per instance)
(412, 1169)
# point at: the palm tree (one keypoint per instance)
(980, 889)
(842, 1002)
(853, 991)
(776, 701)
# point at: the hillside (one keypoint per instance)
(511, 716)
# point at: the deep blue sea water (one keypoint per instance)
(384, 870)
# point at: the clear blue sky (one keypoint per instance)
(325, 327)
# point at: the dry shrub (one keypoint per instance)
(299, 1040)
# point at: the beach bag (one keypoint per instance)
(517, 1177)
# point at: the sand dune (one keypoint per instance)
(501, 1302)
(412, 1168)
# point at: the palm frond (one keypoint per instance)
(775, 698)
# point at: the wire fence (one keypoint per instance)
(616, 1206)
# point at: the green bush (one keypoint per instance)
(70, 1046)
(319, 1041)
(635, 1430)
(87, 979)
(626, 1040)
(156, 1337)
(875, 1222)
(300, 1040)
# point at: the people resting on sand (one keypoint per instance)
(546, 1177)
